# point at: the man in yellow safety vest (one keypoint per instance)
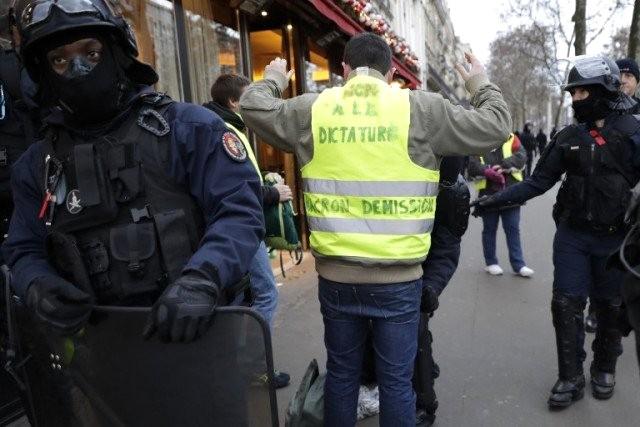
(369, 155)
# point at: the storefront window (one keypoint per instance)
(319, 72)
(153, 23)
(213, 45)
(265, 46)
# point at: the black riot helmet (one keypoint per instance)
(604, 73)
(594, 70)
(39, 20)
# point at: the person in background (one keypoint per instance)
(225, 95)
(541, 139)
(630, 76)
(529, 142)
(497, 170)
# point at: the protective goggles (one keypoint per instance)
(40, 10)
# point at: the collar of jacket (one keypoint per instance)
(227, 115)
(366, 71)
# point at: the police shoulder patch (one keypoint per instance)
(234, 147)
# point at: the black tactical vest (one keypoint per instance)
(595, 192)
(121, 227)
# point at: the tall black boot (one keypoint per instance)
(567, 319)
(607, 347)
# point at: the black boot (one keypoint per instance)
(567, 319)
(607, 347)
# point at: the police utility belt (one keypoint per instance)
(119, 226)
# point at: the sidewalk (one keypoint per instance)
(493, 337)
(288, 262)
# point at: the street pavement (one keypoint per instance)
(493, 340)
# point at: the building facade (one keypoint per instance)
(426, 26)
(443, 50)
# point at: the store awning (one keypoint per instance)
(349, 26)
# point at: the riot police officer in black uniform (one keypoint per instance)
(599, 156)
(130, 198)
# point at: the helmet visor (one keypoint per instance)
(40, 10)
(592, 66)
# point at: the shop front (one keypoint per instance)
(191, 42)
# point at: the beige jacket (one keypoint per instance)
(437, 128)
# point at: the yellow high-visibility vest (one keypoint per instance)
(481, 184)
(247, 146)
(364, 197)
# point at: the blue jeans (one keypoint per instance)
(511, 226)
(263, 285)
(390, 313)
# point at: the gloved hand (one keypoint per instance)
(59, 304)
(484, 203)
(495, 175)
(429, 301)
(185, 310)
(631, 214)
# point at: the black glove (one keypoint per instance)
(59, 304)
(429, 301)
(483, 204)
(185, 310)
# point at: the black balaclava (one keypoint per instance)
(594, 107)
(88, 95)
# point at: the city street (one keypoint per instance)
(493, 340)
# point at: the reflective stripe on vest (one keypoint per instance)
(364, 197)
(481, 184)
(247, 147)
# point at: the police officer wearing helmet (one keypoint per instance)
(599, 156)
(130, 198)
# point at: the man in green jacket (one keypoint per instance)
(369, 156)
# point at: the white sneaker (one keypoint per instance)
(525, 272)
(494, 269)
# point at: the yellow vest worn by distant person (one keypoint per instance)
(247, 146)
(481, 184)
(365, 199)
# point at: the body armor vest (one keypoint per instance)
(595, 192)
(120, 227)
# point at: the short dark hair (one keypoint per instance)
(228, 87)
(368, 50)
